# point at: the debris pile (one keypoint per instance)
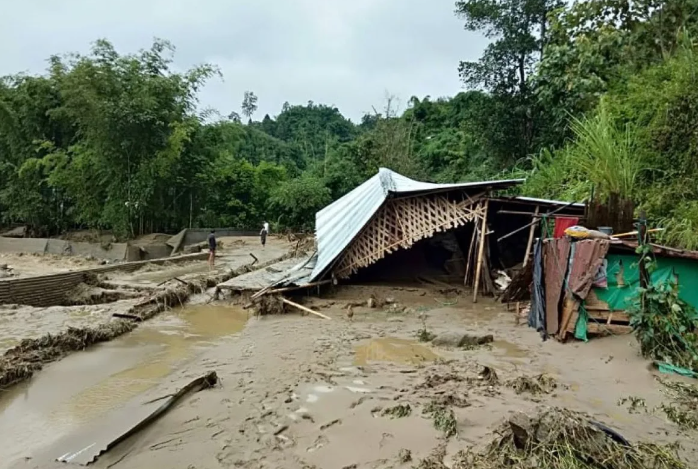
(683, 410)
(559, 439)
(269, 304)
(541, 384)
(397, 412)
(443, 417)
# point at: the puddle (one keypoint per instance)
(510, 349)
(84, 386)
(390, 349)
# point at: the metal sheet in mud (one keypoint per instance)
(86, 445)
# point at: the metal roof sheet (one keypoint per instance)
(548, 201)
(340, 222)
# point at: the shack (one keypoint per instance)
(586, 287)
(393, 229)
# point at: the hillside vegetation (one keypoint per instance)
(598, 93)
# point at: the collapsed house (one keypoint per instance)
(393, 228)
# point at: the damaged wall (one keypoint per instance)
(114, 251)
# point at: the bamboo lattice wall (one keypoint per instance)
(400, 223)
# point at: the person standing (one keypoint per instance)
(263, 234)
(212, 248)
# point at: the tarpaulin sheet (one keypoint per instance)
(555, 257)
(536, 317)
(562, 223)
(623, 268)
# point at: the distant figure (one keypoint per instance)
(263, 234)
(211, 248)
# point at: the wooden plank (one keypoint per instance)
(616, 329)
(608, 316)
(569, 307)
(303, 308)
(529, 244)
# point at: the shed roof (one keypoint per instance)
(340, 222)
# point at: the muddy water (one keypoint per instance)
(391, 349)
(87, 385)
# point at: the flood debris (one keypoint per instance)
(22, 361)
(634, 404)
(397, 411)
(85, 454)
(443, 417)
(541, 384)
(404, 456)
(683, 409)
(461, 339)
(269, 304)
(488, 376)
(560, 439)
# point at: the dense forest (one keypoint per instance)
(596, 93)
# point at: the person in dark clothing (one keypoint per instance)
(212, 248)
(263, 234)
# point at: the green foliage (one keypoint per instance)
(296, 201)
(665, 326)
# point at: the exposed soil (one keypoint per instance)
(361, 391)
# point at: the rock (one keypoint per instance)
(396, 319)
(522, 428)
(371, 302)
(459, 339)
(3, 266)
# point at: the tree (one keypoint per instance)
(518, 31)
(249, 104)
(234, 116)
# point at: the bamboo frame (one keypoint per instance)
(481, 251)
(529, 244)
(401, 222)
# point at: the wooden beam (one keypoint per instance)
(529, 244)
(303, 308)
(481, 251)
(470, 255)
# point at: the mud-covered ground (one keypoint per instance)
(30, 265)
(302, 392)
(26, 322)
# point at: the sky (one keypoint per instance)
(346, 53)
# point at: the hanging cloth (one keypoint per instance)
(562, 223)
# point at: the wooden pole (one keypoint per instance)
(481, 250)
(303, 308)
(529, 245)
(470, 254)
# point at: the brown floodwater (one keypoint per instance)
(86, 385)
(392, 349)
(509, 349)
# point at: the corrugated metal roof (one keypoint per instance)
(548, 201)
(340, 222)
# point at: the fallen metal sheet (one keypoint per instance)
(85, 446)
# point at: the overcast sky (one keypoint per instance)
(347, 53)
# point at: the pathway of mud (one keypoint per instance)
(88, 385)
